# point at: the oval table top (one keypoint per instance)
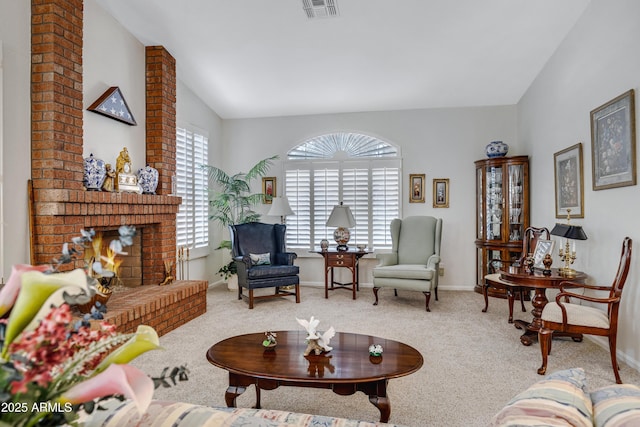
(347, 362)
(520, 277)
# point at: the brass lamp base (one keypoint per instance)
(567, 272)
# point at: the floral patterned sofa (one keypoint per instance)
(165, 413)
(561, 399)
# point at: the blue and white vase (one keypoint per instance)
(496, 149)
(94, 173)
(148, 179)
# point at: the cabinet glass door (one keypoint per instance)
(515, 200)
(480, 207)
(494, 203)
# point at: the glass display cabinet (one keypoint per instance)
(502, 211)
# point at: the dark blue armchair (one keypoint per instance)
(259, 253)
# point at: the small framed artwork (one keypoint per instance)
(416, 188)
(441, 193)
(569, 182)
(613, 143)
(268, 189)
(543, 247)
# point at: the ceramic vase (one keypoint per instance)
(148, 179)
(94, 173)
(496, 149)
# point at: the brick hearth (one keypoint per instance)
(162, 307)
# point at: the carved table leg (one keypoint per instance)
(383, 405)
(231, 394)
(530, 334)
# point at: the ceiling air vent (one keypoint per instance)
(320, 8)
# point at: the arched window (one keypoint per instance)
(359, 170)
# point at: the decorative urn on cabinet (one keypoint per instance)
(496, 149)
(94, 173)
(148, 179)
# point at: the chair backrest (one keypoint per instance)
(416, 238)
(257, 238)
(621, 276)
(530, 240)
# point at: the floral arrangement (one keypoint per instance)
(270, 339)
(51, 367)
(375, 350)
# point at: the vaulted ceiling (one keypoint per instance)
(257, 58)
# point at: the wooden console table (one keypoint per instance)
(346, 259)
(540, 283)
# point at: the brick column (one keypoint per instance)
(161, 149)
(161, 114)
(56, 113)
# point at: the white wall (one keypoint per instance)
(15, 33)
(112, 57)
(442, 143)
(597, 61)
(191, 110)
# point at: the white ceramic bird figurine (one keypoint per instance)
(317, 343)
(324, 339)
(310, 326)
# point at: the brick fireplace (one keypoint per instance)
(60, 206)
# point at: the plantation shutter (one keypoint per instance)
(298, 191)
(355, 194)
(385, 204)
(192, 220)
(326, 194)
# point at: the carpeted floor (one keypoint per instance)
(474, 361)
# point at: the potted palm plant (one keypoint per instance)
(232, 202)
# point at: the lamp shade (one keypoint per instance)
(341, 216)
(280, 207)
(568, 231)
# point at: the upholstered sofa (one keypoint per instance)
(178, 414)
(562, 399)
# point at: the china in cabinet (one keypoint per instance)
(502, 211)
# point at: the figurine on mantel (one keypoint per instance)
(109, 180)
(126, 181)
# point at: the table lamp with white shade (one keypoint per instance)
(342, 218)
(280, 207)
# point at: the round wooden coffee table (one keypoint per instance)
(345, 369)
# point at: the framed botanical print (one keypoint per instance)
(268, 189)
(416, 188)
(569, 182)
(441, 193)
(613, 143)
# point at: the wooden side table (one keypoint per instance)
(540, 283)
(345, 259)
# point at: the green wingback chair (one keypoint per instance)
(414, 259)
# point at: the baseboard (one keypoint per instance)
(622, 357)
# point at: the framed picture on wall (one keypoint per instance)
(268, 189)
(569, 182)
(416, 188)
(441, 193)
(613, 143)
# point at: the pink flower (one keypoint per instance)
(116, 379)
(10, 290)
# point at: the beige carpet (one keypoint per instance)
(474, 362)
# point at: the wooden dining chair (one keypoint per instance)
(571, 317)
(492, 280)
